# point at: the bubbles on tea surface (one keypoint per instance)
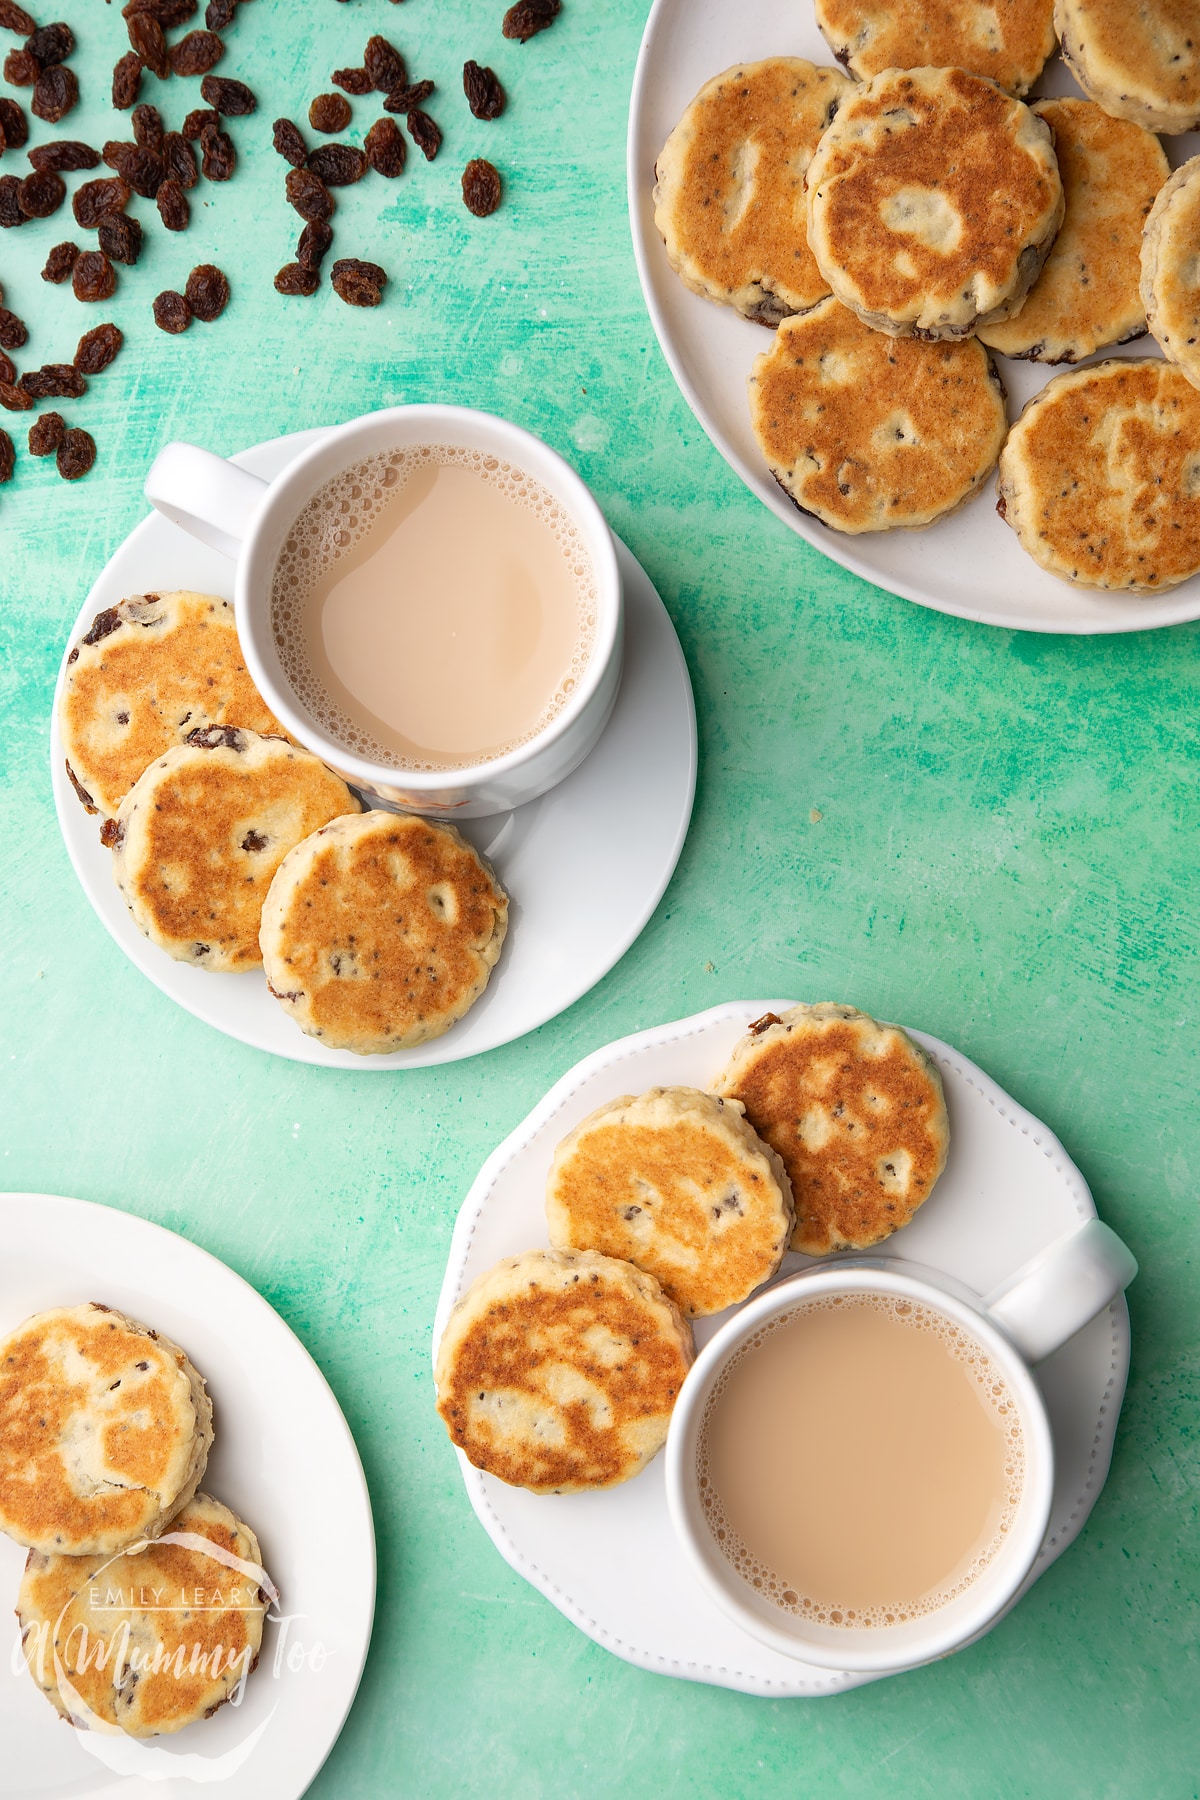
(776, 1588)
(341, 514)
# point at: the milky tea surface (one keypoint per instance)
(433, 607)
(860, 1461)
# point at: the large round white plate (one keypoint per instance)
(585, 866)
(284, 1461)
(970, 564)
(610, 1561)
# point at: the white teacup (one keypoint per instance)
(249, 519)
(1039, 1309)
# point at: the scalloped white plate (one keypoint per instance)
(610, 1561)
(970, 564)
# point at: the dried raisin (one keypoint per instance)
(21, 69)
(12, 330)
(97, 348)
(485, 96)
(60, 262)
(41, 194)
(14, 126)
(289, 143)
(93, 277)
(15, 18)
(528, 17)
(198, 121)
(308, 194)
(218, 158)
(338, 165)
(172, 312)
(127, 79)
(46, 434)
(233, 98)
(352, 81)
(197, 53)
(55, 94)
(167, 12)
(218, 14)
(147, 40)
(10, 203)
(8, 457)
(51, 44)
(315, 240)
(329, 112)
(8, 369)
(142, 169)
(179, 161)
(358, 283)
(148, 129)
(480, 188)
(67, 153)
(424, 133)
(403, 99)
(173, 208)
(76, 454)
(14, 398)
(384, 64)
(294, 278)
(120, 238)
(56, 381)
(98, 199)
(385, 148)
(207, 292)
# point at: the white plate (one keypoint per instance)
(284, 1461)
(585, 866)
(609, 1561)
(971, 564)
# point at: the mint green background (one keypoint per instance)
(1005, 855)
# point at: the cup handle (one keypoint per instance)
(1056, 1294)
(212, 499)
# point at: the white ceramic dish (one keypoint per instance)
(585, 865)
(283, 1458)
(610, 1561)
(970, 564)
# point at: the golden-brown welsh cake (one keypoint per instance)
(381, 930)
(153, 1640)
(105, 1429)
(933, 200)
(675, 1181)
(729, 195)
(1139, 58)
(1009, 43)
(1100, 476)
(201, 833)
(1170, 275)
(874, 433)
(855, 1110)
(558, 1370)
(145, 673)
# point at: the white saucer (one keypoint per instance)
(284, 1461)
(610, 1561)
(585, 865)
(970, 564)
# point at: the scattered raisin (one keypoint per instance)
(329, 112)
(12, 330)
(294, 278)
(15, 18)
(98, 347)
(384, 64)
(51, 44)
(385, 148)
(46, 434)
(218, 158)
(55, 94)
(41, 194)
(167, 12)
(289, 143)
(60, 262)
(21, 69)
(197, 53)
(67, 153)
(8, 456)
(173, 208)
(179, 160)
(14, 398)
(528, 17)
(207, 292)
(56, 381)
(142, 169)
(172, 312)
(358, 283)
(120, 238)
(480, 188)
(127, 79)
(485, 96)
(96, 200)
(14, 126)
(8, 369)
(402, 100)
(338, 165)
(352, 81)
(424, 133)
(93, 277)
(233, 98)
(218, 14)
(10, 204)
(315, 240)
(308, 194)
(76, 454)
(146, 38)
(148, 129)
(198, 120)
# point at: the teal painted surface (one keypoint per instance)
(1005, 855)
